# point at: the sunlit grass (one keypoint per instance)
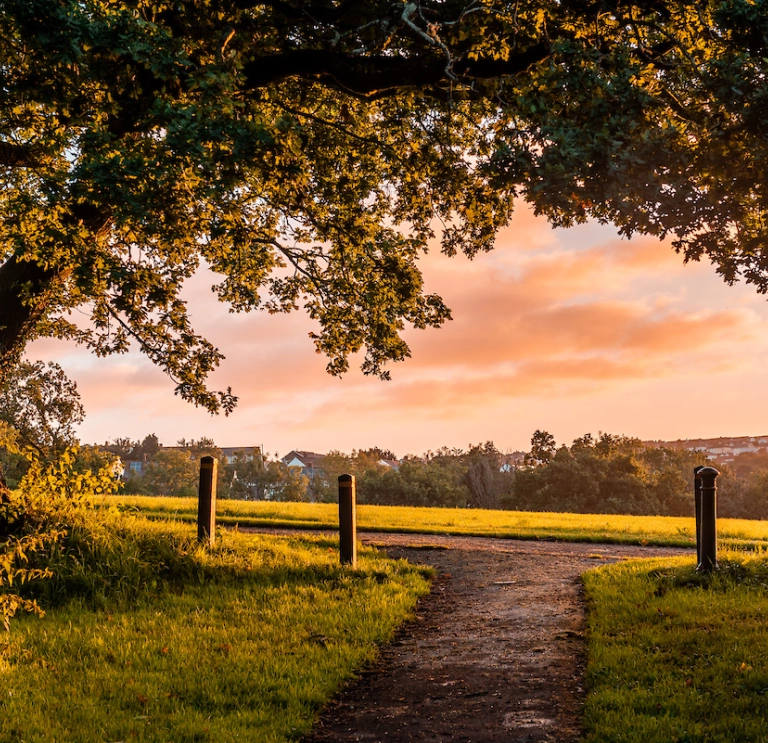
(247, 647)
(675, 657)
(652, 530)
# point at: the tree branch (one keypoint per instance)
(25, 289)
(371, 75)
(17, 155)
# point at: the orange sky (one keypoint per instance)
(572, 331)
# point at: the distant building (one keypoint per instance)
(229, 453)
(310, 462)
(723, 449)
(133, 467)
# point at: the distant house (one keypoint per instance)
(229, 453)
(392, 464)
(133, 467)
(310, 462)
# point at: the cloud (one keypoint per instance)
(551, 320)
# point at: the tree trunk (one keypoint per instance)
(25, 294)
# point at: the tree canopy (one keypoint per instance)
(307, 150)
(42, 405)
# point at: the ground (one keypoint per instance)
(495, 652)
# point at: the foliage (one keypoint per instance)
(607, 474)
(543, 448)
(13, 464)
(170, 472)
(305, 152)
(324, 487)
(245, 641)
(136, 450)
(610, 474)
(436, 481)
(254, 477)
(613, 474)
(488, 477)
(674, 655)
(43, 405)
(37, 519)
(96, 459)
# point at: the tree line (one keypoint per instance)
(611, 473)
(607, 474)
(249, 475)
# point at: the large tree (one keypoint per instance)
(305, 150)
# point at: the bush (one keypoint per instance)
(37, 519)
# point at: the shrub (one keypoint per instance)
(36, 519)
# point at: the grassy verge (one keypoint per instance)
(244, 642)
(675, 657)
(654, 530)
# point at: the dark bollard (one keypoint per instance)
(708, 553)
(347, 520)
(697, 508)
(206, 501)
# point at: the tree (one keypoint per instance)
(488, 485)
(254, 477)
(543, 448)
(202, 447)
(431, 481)
(43, 405)
(375, 454)
(95, 459)
(170, 472)
(122, 446)
(304, 151)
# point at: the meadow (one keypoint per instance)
(148, 636)
(672, 655)
(604, 528)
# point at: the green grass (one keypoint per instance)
(674, 657)
(652, 530)
(245, 642)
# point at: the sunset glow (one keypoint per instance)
(571, 331)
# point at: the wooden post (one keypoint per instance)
(697, 508)
(347, 520)
(708, 557)
(206, 503)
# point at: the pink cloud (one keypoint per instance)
(546, 322)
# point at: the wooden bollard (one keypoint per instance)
(347, 520)
(697, 508)
(708, 556)
(206, 501)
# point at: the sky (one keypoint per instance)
(571, 331)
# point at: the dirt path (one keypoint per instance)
(496, 652)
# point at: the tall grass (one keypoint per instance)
(606, 528)
(150, 637)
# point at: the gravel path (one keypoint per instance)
(495, 653)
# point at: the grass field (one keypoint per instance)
(677, 657)
(248, 647)
(247, 641)
(653, 530)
